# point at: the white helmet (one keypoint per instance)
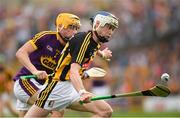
(105, 18)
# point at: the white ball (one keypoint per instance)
(165, 77)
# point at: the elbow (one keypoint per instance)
(19, 54)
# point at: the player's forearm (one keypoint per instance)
(77, 83)
(75, 77)
(23, 58)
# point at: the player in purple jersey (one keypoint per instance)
(39, 56)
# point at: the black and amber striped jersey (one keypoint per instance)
(80, 49)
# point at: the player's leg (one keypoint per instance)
(32, 99)
(25, 100)
(99, 108)
(22, 113)
(43, 106)
(26, 92)
(22, 98)
(57, 114)
(22, 108)
(36, 111)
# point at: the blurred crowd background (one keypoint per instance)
(146, 44)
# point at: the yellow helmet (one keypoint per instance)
(67, 19)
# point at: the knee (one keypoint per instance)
(107, 112)
(57, 114)
(22, 113)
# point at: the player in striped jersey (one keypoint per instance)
(66, 87)
(39, 56)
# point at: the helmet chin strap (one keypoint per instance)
(102, 39)
(65, 39)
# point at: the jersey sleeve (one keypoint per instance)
(38, 40)
(79, 48)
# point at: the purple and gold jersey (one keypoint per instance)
(45, 57)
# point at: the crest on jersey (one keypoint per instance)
(49, 48)
(48, 62)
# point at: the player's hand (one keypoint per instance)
(85, 97)
(85, 76)
(106, 53)
(40, 74)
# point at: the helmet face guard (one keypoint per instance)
(102, 39)
(104, 18)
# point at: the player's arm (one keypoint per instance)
(75, 76)
(78, 50)
(23, 56)
(77, 83)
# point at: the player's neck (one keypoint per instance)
(95, 38)
(61, 40)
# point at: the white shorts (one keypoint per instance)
(57, 95)
(23, 90)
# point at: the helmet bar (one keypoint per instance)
(105, 18)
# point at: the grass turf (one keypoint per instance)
(116, 113)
